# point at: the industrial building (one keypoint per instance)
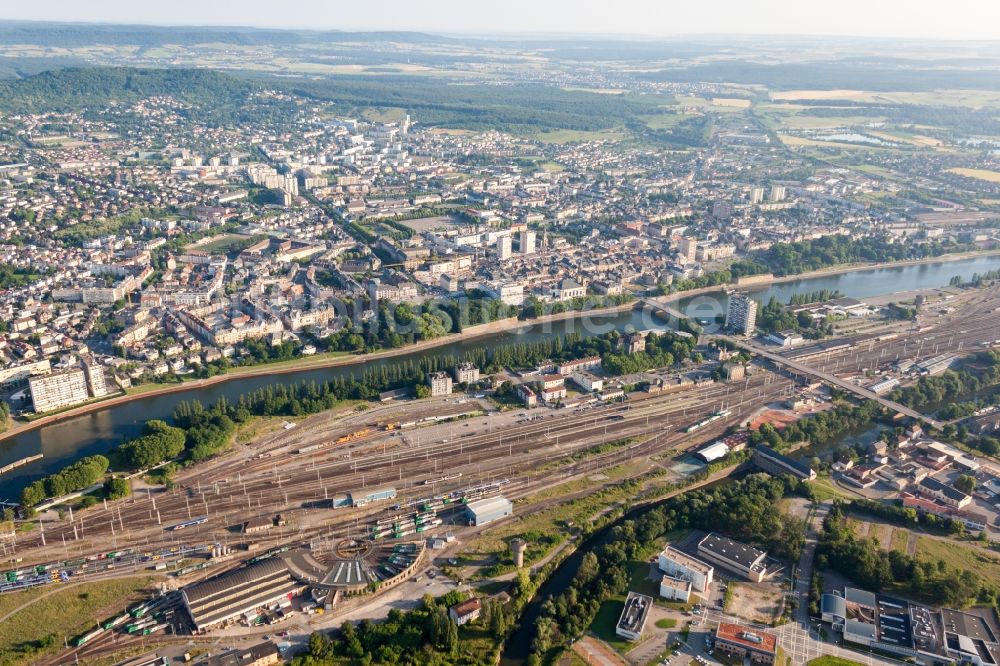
(936, 365)
(713, 451)
(742, 643)
(487, 510)
(633, 618)
(738, 557)
(741, 316)
(680, 565)
(239, 595)
(773, 462)
(364, 497)
(261, 654)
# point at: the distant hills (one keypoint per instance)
(76, 88)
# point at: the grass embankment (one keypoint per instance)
(829, 660)
(41, 627)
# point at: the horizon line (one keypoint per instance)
(502, 34)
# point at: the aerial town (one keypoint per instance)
(293, 373)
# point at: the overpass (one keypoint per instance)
(803, 369)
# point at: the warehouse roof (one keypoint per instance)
(483, 506)
(731, 551)
(230, 594)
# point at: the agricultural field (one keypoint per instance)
(980, 174)
(717, 104)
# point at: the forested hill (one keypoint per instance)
(76, 88)
(222, 98)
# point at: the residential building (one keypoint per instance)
(504, 248)
(466, 373)
(96, 379)
(741, 316)
(440, 383)
(527, 242)
(466, 611)
(60, 389)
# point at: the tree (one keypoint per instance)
(966, 483)
(116, 488)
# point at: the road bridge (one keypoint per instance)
(660, 308)
(802, 368)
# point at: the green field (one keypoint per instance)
(900, 538)
(220, 244)
(959, 555)
(605, 622)
(41, 627)
(663, 120)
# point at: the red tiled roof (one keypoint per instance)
(734, 633)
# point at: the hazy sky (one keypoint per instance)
(951, 19)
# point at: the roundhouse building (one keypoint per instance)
(225, 599)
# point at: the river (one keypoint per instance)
(99, 431)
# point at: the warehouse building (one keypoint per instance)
(734, 556)
(773, 462)
(365, 497)
(742, 643)
(262, 654)
(487, 510)
(240, 594)
(680, 565)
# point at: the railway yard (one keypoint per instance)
(347, 499)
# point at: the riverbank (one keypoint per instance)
(840, 269)
(509, 325)
(303, 364)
